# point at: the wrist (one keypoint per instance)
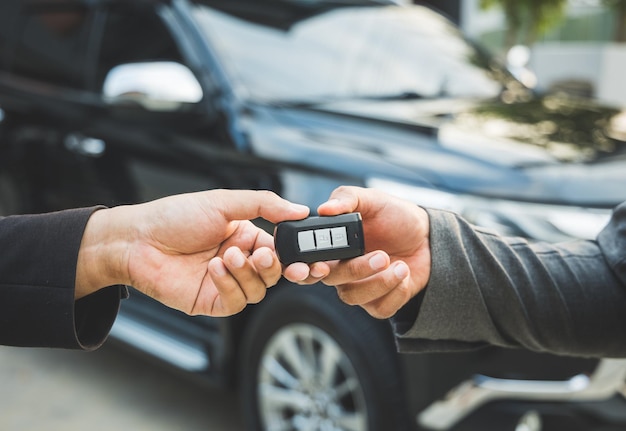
(103, 253)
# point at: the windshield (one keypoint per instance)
(348, 52)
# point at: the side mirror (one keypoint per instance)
(156, 86)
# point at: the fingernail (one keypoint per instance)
(317, 272)
(299, 208)
(265, 260)
(299, 271)
(219, 268)
(331, 202)
(401, 271)
(237, 260)
(377, 262)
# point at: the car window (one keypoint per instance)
(132, 34)
(345, 52)
(51, 44)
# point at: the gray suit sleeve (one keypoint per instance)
(568, 298)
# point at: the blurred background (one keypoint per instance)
(574, 45)
(511, 112)
(109, 389)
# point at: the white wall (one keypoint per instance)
(602, 65)
(612, 78)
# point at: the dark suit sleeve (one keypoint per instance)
(567, 298)
(37, 275)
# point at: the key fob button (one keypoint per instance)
(339, 236)
(322, 239)
(306, 241)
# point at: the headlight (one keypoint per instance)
(536, 221)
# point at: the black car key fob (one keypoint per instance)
(316, 239)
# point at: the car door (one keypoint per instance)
(157, 119)
(73, 145)
(43, 87)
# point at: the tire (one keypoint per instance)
(311, 362)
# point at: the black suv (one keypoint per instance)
(112, 102)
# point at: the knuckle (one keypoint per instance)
(267, 194)
(257, 297)
(256, 292)
(341, 189)
(355, 270)
(379, 312)
(345, 296)
(238, 308)
(270, 281)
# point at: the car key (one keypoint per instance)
(321, 238)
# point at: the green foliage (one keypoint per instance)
(619, 8)
(528, 19)
(614, 3)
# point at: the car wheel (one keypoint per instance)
(311, 362)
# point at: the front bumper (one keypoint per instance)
(606, 381)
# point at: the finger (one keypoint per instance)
(251, 204)
(248, 237)
(267, 265)
(302, 273)
(229, 300)
(264, 239)
(245, 275)
(343, 199)
(358, 268)
(389, 304)
(296, 272)
(373, 288)
(317, 271)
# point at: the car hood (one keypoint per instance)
(552, 149)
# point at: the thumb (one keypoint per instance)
(344, 199)
(251, 204)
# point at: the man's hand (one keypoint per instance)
(196, 252)
(397, 265)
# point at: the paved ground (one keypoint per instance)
(110, 389)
